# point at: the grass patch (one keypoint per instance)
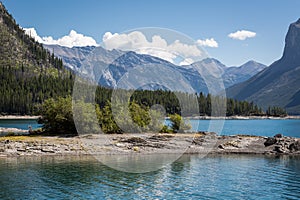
(20, 138)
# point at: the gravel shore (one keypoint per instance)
(118, 144)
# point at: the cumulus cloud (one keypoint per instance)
(208, 43)
(32, 32)
(71, 40)
(156, 46)
(175, 52)
(242, 35)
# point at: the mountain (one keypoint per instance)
(75, 56)
(234, 75)
(115, 63)
(279, 84)
(71, 56)
(29, 73)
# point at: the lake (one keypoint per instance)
(19, 123)
(191, 177)
(262, 127)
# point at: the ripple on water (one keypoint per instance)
(214, 177)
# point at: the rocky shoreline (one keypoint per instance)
(15, 131)
(132, 144)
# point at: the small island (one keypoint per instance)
(62, 134)
(164, 143)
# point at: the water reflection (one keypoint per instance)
(138, 163)
(192, 177)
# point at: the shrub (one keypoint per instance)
(178, 124)
(10, 134)
(57, 117)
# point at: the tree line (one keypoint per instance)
(22, 92)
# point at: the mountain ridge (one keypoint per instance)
(231, 75)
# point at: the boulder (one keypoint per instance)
(295, 146)
(134, 140)
(45, 150)
(279, 135)
(120, 145)
(280, 149)
(270, 141)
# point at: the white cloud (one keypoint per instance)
(71, 40)
(208, 43)
(160, 53)
(32, 32)
(187, 61)
(157, 46)
(134, 41)
(242, 35)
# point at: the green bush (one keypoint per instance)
(134, 119)
(86, 116)
(10, 134)
(166, 129)
(106, 120)
(57, 116)
(178, 124)
(38, 131)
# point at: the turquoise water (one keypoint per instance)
(19, 124)
(266, 127)
(263, 127)
(218, 177)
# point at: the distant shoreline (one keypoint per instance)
(238, 117)
(18, 117)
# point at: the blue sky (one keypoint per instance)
(202, 19)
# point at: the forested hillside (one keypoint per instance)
(29, 74)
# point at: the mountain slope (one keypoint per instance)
(118, 63)
(234, 75)
(278, 84)
(28, 73)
